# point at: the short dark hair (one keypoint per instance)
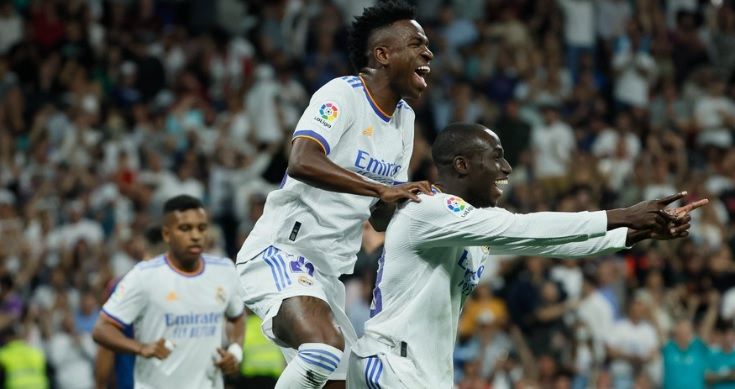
(380, 15)
(181, 203)
(456, 139)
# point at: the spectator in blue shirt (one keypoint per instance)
(685, 358)
(721, 370)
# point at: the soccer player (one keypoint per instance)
(351, 148)
(178, 303)
(435, 253)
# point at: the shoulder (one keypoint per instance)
(440, 205)
(403, 105)
(149, 264)
(217, 261)
(341, 85)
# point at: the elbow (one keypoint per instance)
(98, 333)
(299, 170)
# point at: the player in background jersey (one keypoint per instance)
(178, 303)
(351, 150)
(436, 250)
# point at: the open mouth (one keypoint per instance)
(420, 73)
(498, 183)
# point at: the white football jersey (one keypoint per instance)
(187, 309)
(436, 252)
(324, 226)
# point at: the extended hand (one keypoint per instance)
(649, 214)
(228, 364)
(409, 190)
(157, 350)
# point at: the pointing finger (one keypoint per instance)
(692, 206)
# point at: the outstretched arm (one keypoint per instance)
(551, 233)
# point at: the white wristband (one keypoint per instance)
(236, 350)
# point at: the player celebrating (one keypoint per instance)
(435, 253)
(351, 148)
(177, 302)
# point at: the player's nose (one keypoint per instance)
(427, 55)
(506, 168)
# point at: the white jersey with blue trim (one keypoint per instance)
(324, 226)
(435, 253)
(189, 310)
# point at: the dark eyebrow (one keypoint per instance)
(420, 39)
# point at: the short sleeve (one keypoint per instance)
(329, 114)
(128, 300)
(235, 305)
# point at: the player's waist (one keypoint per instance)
(326, 262)
(373, 343)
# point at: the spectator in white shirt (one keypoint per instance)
(632, 345)
(71, 354)
(553, 143)
(596, 313)
(579, 30)
(11, 27)
(635, 71)
(715, 116)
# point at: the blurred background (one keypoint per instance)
(109, 107)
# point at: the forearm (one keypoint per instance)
(103, 367)
(616, 218)
(237, 334)
(611, 242)
(110, 336)
(636, 236)
(309, 164)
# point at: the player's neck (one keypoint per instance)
(380, 91)
(184, 267)
(452, 187)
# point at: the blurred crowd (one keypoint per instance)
(109, 107)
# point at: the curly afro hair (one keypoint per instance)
(380, 15)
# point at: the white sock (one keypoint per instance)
(311, 367)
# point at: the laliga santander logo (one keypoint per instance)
(458, 207)
(328, 113)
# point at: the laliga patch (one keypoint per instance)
(328, 114)
(458, 207)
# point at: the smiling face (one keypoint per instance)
(489, 171)
(186, 233)
(405, 53)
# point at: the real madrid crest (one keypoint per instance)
(220, 295)
(306, 281)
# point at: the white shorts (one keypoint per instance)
(383, 370)
(275, 275)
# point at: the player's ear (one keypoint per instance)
(381, 55)
(461, 165)
(166, 233)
